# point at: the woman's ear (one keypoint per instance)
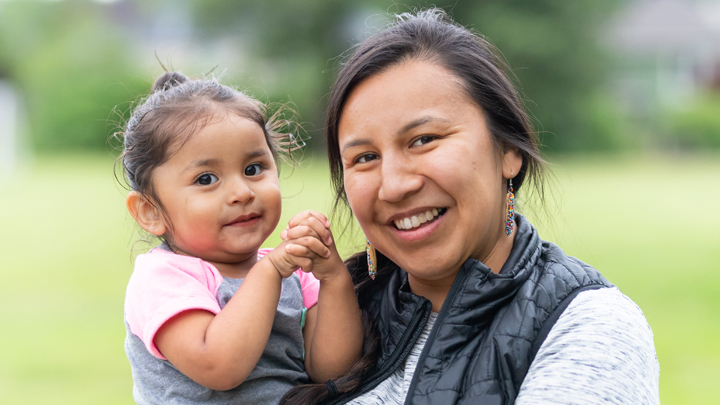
(511, 161)
(145, 213)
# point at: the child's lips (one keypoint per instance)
(245, 220)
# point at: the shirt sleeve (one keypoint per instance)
(309, 284)
(600, 351)
(310, 288)
(163, 285)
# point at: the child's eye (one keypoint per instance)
(206, 179)
(366, 158)
(253, 170)
(422, 140)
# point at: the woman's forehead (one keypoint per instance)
(403, 97)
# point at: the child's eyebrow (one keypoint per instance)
(200, 163)
(256, 153)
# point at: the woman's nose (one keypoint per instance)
(240, 192)
(399, 180)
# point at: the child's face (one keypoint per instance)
(221, 192)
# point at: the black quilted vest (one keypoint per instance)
(488, 330)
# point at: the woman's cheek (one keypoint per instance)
(361, 192)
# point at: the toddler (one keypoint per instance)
(211, 318)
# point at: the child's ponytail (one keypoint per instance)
(168, 80)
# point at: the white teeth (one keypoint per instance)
(416, 220)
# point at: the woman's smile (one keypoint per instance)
(410, 228)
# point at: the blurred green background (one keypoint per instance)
(626, 95)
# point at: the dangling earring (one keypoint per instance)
(510, 220)
(371, 258)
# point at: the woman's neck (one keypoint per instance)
(437, 290)
(433, 290)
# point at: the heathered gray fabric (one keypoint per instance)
(600, 351)
(279, 369)
(394, 390)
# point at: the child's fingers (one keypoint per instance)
(311, 227)
(319, 228)
(301, 261)
(299, 218)
(284, 234)
(309, 247)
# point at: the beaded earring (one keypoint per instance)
(371, 258)
(510, 220)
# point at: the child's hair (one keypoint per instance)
(177, 108)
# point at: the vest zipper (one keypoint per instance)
(459, 280)
(417, 323)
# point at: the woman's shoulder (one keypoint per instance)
(601, 347)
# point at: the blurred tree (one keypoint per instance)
(552, 46)
(72, 68)
(73, 62)
(293, 43)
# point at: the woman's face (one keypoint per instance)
(422, 173)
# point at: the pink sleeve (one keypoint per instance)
(309, 284)
(310, 288)
(163, 285)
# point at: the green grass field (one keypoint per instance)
(652, 226)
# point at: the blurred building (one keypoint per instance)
(9, 128)
(670, 51)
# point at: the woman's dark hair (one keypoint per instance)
(177, 108)
(428, 35)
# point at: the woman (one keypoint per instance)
(428, 142)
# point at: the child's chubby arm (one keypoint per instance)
(333, 330)
(219, 351)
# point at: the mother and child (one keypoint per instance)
(456, 300)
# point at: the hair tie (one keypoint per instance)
(332, 388)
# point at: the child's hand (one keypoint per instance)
(284, 262)
(305, 233)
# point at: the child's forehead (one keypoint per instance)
(229, 137)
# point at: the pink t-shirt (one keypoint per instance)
(165, 284)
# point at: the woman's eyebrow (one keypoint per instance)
(420, 121)
(355, 142)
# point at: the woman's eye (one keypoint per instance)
(206, 179)
(423, 140)
(253, 169)
(366, 158)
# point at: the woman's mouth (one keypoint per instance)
(418, 221)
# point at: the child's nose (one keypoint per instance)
(240, 193)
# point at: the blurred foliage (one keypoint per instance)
(73, 69)
(76, 60)
(696, 125)
(551, 45)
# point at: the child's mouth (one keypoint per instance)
(245, 220)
